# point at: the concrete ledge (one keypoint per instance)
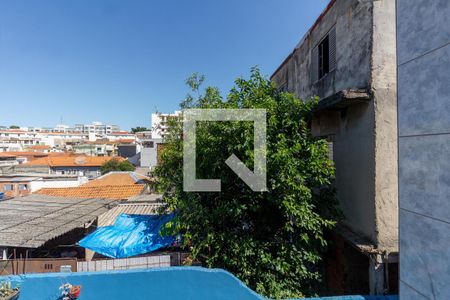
(343, 99)
(366, 247)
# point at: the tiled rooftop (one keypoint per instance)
(117, 178)
(72, 161)
(40, 147)
(116, 192)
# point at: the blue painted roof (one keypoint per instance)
(174, 283)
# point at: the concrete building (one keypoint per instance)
(348, 60)
(120, 135)
(17, 140)
(97, 128)
(146, 157)
(423, 58)
(97, 148)
(160, 123)
(13, 185)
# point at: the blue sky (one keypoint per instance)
(118, 61)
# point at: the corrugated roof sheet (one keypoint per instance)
(33, 220)
(146, 198)
(117, 192)
(141, 208)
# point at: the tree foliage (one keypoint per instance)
(116, 165)
(139, 129)
(274, 240)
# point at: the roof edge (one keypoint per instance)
(319, 18)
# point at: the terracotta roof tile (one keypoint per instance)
(39, 147)
(114, 192)
(117, 178)
(23, 153)
(72, 161)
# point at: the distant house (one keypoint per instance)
(39, 148)
(121, 135)
(113, 185)
(13, 185)
(78, 165)
(23, 156)
(149, 149)
(102, 147)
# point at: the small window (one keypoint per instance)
(23, 187)
(149, 144)
(323, 58)
(8, 187)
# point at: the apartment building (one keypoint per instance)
(160, 123)
(348, 60)
(17, 139)
(97, 128)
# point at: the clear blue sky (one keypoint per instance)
(118, 61)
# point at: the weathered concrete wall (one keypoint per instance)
(23, 168)
(384, 91)
(423, 39)
(364, 135)
(352, 129)
(353, 20)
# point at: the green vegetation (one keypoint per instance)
(139, 129)
(273, 241)
(6, 290)
(116, 165)
(14, 127)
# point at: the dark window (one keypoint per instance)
(149, 144)
(324, 57)
(23, 187)
(8, 187)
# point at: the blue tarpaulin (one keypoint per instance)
(129, 236)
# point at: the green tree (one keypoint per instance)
(116, 165)
(139, 129)
(273, 241)
(14, 127)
